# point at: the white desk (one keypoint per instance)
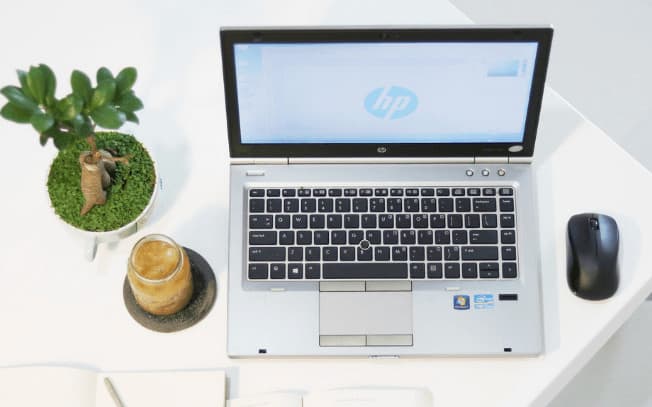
(57, 309)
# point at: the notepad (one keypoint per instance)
(73, 387)
(350, 397)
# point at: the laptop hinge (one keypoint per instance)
(260, 161)
(520, 160)
(380, 160)
(490, 160)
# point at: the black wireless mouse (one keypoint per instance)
(592, 256)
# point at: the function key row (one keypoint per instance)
(351, 192)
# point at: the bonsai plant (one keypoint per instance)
(99, 181)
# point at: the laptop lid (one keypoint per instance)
(383, 92)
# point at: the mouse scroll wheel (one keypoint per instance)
(595, 225)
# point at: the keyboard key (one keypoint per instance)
(427, 192)
(473, 191)
(308, 205)
(434, 253)
(277, 271)
(452, 270)
(507, 204)
(262, 238)
(417, 253)
(334, 221)
(479, 253)
(451, 253)
(274, 192)
(256, 205)
(286, 237)
(471, 220)
(258, 271)
(380, 192)
(295, 253)
(334, 192)
(469, 270)
(408, 237)
(455, 221)
(377, 205)
(366, 192)
(506, 191)
(429, 204)
(484, 236)
(360, 204)
(303, 192)
(507, 237)
(442, 237)
(411, 192)
(403, 221)
(319, 192)
(317, 222)
(347, 253)
(364, 254)
(506, 221)
(385, 221)
(267, 254)
(509, 270)
(350, 192)
(434, 270)
(460, 237)
(437, 221)
(338, 237)
(424, 237)
(295, 271)
(342, 205)
(321, 237)
(489, 221)
(488, 191)
(488, 270)
(291, 205)
(256, 192)
(394, 205)
(313, 253)
(396, 192)
(399, 253)
(443, 192)
(373, 236)
(419, 221)
(390, 236)
(355, 237)
(369, 221)
(458, 191)
(411, 204)
(508, 252)
(313, 270)
(445, 204)
(351, 221)
(381, 253)
(304, 237)
(325, 205)
(261, 221)
(299, 221)
(282, 221)
(362, 271)
(329, 253)
(417, 270)
(484, 204)
(463, 204)
(289, 192)
(274, 205)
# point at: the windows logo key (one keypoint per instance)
(391, 102)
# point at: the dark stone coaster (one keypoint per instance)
(201, 302)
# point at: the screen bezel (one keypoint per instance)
(231, 36)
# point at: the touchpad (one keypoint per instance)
(365, 318)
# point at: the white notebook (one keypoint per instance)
(351, 397)
(72, 387)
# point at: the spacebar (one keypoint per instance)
(364, 270)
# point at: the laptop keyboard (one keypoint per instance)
(386, 233)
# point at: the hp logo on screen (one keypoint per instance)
(391, 102)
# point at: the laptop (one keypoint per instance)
(382, 200)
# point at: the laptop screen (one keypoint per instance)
(411, 92)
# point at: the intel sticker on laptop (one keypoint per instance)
(483, 301)
(461, 302)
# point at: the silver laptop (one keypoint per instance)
(381, 192)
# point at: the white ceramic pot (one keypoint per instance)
(91, 240)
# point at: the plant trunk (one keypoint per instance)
(95, 177)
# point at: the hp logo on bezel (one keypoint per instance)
(381, 150)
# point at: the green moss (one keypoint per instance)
(127, 196)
